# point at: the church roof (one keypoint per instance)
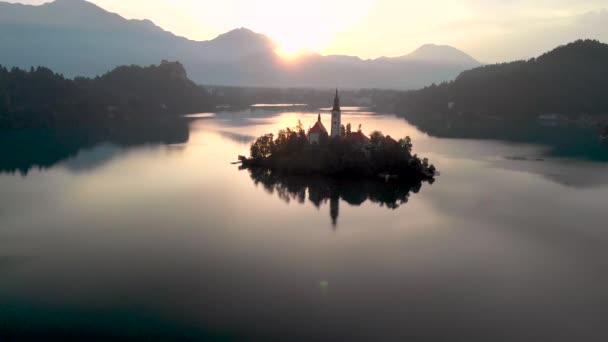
(358, 137)
(318, 127)
(390, 141)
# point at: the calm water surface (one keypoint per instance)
(164, 238)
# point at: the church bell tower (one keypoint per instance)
(336, 117)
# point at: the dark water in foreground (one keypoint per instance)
(159, 237)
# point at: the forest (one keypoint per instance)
(41, 98)
(570, 80)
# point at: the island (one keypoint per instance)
(339, 153)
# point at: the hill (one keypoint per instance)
(571, 79)
(42, 98)
(75, 37)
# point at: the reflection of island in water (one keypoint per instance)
(321, 190)
(26, 149)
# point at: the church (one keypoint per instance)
(318, 131)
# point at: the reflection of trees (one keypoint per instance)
(23, 150)
(322, 190)
(564, 140)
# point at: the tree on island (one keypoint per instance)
(350, 155)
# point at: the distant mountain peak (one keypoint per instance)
(441, 54)
(68, 2)
(245, 40)
(74, 4)
(240, 32)
(243, 34)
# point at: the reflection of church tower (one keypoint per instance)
(336, 117)
(334, 209)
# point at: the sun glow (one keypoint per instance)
(299, 27)
(293, 42)
(289, 52)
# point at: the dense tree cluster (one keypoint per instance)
(572, 79)
(41, 98)
(350, 155)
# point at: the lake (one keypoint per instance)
(154, 234)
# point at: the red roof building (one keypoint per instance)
(358, 137)
(388, 141)
(317, 132)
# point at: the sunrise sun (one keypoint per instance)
(289, 51)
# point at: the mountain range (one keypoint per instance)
(78, 38)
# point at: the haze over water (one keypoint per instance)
(172, 240)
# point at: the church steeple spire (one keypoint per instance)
(336, 117)
(336, 102)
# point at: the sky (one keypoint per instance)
(490, 30)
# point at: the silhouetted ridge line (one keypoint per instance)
(78, 38)
(571, 80)
(41, 98)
